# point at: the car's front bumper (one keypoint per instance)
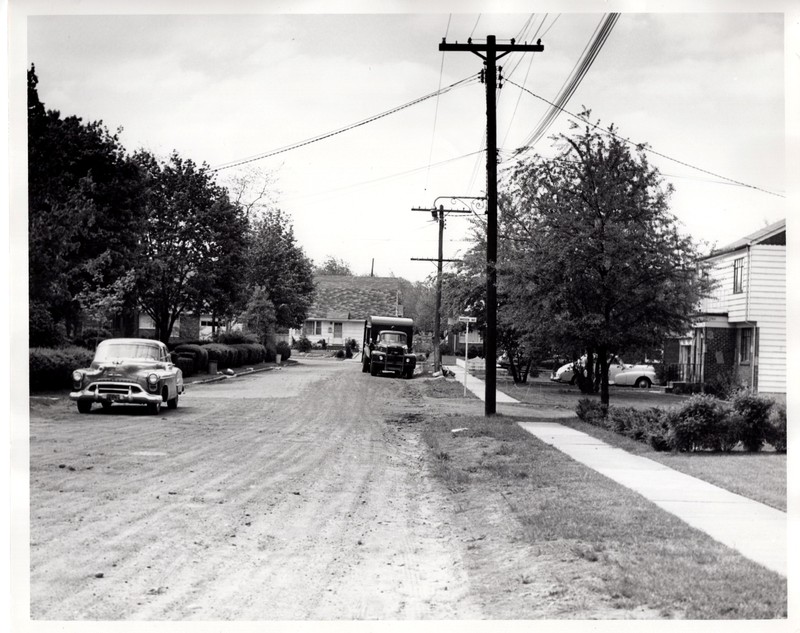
(126, 393)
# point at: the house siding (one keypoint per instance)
(768, 310)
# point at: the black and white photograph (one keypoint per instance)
(401, 314)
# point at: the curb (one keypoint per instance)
(220, 378)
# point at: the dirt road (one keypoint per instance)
(283, 495)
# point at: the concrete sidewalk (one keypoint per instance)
(755, 530)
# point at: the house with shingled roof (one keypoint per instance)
(739, 332)
(342, 304)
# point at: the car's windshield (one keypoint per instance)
(113, 351)
(393, 337)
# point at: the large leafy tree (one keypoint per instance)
(278, 264)
(593, 250)
(193, 243)
(85, 202)
(333, 266)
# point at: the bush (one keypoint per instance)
(303, 345)
(777, 428)
(90, 337)
(43, 331)
(186, 364)
(339, 353)
(473, 352)
(235, 337)
(702, 422)
(591, 411)
(198, 353)
(352, 345)
(753, 420)
(284, 350)
(236, 355)
(52, 368)
(445, 349)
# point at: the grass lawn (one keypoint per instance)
(579, 542)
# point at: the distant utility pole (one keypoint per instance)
(491, 49)
(439, 214)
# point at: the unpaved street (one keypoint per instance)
(296, 493)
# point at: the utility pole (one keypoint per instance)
(491, 49)
(439, 214)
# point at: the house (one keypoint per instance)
(342, 304)
(188, 326)
(740, 331)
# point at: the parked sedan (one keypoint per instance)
(566, 373)
(641, 376)
(128, 371)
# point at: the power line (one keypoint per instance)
(639, 145)
(436, 110)
(347, 128)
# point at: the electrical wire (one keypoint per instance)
(642, 146)
(436, 110)
(476, 25)
(602, 31)
(347, 128)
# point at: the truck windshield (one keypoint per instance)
(392, 337)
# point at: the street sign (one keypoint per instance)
(468, 319)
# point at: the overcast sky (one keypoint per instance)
(706, 89)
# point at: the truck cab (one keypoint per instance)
(387, 346)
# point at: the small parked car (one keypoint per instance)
(128, 371)
(641, 376)
(566, 373)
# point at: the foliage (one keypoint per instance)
(303, 344)
(591, 410)
(777, 433)
(333, 266)
(90, 337)
(198, 354)
(723, 383)
(259, 316)
(702, 422)
(237, 354)
(352, 344)
(249, 353)
(284, 349)
(186, 363)
(85, 210)
(340, 353)
(43, 331)
(592, 250)
(236, 336)
(753, 421)
(192, 241)
(52, 368)
(277, 263)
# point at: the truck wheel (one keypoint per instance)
(373, 370)
(408, 373)
(84, 406)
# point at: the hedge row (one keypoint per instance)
(237, 355)
(703, 422)
(52, 368)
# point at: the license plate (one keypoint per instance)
(113, 397)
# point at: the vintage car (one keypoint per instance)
(128, 371)
(642, 376)
(566, 373)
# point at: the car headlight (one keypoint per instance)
(152, 379)
(77, 376)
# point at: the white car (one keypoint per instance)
(566, 373)
(641, 376)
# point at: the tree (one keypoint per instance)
(85, 202)
(333, 266)
(192, 245)
(259, 316)
(593, 250)
(277, 263)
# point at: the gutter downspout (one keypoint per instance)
(747, 318)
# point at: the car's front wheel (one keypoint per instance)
(84, 406)
(154, 408)
(643, 383)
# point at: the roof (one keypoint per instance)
(350, 297)
(774, 234)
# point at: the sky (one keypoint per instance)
(706, 89)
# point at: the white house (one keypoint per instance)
(342, 304)
(741, 329)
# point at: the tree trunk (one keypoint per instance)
(603, 361)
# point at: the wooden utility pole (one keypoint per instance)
(491, 49)
(437, 325)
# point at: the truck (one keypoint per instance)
(387, 346)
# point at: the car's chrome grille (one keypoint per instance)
(121, 389)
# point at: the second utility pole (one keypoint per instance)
(491, 48)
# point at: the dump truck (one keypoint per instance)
(387, 346)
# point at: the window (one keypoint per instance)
(745, 344)
(318, 328)
(738, 275)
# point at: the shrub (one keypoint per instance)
(249, 353)
(473, 352)
(753, 421)
(198, 353)
(348, 353)
(622, 420)
(700, 423)
(445, 349)
(284, 350)
(303, 345)
(90, 337)
(723, 384)
(270, 351)
(352, 345)
(591, 411)
(225, 355)
(235, 337)
(43, 331)
(52, 368)
(777, 428)
(339, 353)
(186, 364)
